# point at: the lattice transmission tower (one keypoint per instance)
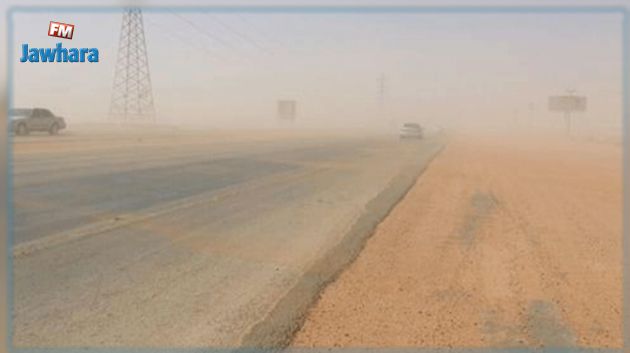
(132, 98)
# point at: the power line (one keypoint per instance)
(241, 36)
(204, 32)
(212, 53)
(260, 33)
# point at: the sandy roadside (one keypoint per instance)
(501, 242)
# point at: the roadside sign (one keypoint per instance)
(287, 110)
(567, 103)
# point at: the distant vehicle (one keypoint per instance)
(24, 121)
(411, 130)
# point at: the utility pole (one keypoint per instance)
(567, 113)
(132, 97)
(381, 90)
(382, 95)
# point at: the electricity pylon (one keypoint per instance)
(132, 98)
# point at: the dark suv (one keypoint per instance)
(24, 121)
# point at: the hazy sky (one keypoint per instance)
(230, 69)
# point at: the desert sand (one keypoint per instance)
(503, 242)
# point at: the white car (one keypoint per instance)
(24, 121)
(411, 130)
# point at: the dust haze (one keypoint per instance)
(345, 71)
(228, 223)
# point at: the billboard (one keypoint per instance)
(567, 103)
(287, 110)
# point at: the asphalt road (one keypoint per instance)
(180, 239)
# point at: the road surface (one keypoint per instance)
(180, 239)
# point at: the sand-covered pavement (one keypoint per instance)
(502, 242)
(179, 239)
